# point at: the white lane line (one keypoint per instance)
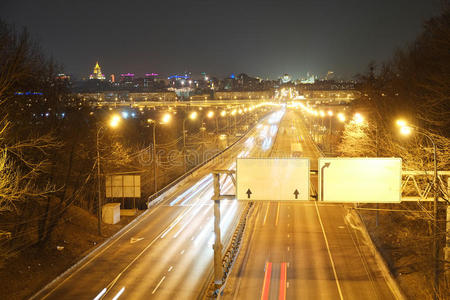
(329, 253)
(100, 294)
(159, 283)
(289, 248)
(278, 214)
(182, 252)
(267, 212)
(119, 293)
(170, 269)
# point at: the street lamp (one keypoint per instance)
(330, 114)
(192, 116)
(406, 129)
(113, 123)
(164, 120)
(358, 118)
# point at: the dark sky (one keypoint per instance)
(265, 38)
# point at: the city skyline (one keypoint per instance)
(257, 38)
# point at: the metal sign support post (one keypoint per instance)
(218, 268)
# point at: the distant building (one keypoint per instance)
(150, 79)
(310, 79)
(126, 78)
(97, 74)
(330, 75)
(285, 78)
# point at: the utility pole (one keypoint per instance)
(218, 269)
(99, 200)
(155, 184)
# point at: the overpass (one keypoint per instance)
(165, 99)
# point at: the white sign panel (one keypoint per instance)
(272, 179)
(373, 180)
(123, 186)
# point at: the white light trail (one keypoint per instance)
(119, 293)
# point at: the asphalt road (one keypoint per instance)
(303, 250)
(168, 253)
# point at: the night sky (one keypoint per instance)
(262, 38)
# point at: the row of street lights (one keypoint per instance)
(115, 120)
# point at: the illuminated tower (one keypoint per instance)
(97, 74)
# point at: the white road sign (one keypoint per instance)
(272, 179)
(375, 180)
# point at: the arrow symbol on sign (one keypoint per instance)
(296, 192)
(248, 193)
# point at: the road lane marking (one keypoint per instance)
(119, 293)
(170, 269)
(289, 248)
(278, 214)
(182, 252)
(266, 284)
(329, 253)
(159, 283)
(267, 212)
(99, 296)
(282, 291)
(134, 240)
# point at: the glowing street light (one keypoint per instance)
(330, 113)
(166, 118)
(358, 118)
(115, 120)
(223, 113)
(341, 117)
(210, 114)
(193, 115)
(322, 113)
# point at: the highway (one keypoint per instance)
(167, 253)
(303, 250)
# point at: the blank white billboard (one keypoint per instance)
(363, 180)
(274, 179)
(123, 186)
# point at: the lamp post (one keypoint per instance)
(330, 115)
(192, 116)
(165, 120)
(113, 123)
(406, 129)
